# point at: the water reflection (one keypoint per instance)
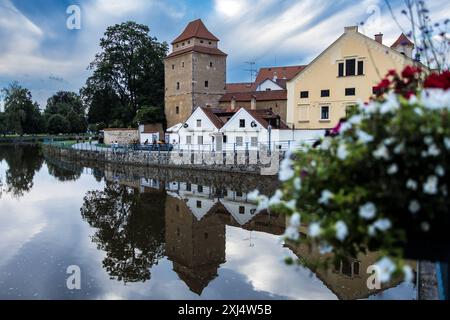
(183, 234)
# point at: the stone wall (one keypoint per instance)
(234, 162)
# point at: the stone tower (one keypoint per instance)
(195, 73)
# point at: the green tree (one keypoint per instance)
(127, 75)
(21, 114)
(3, 124)
(70, 106)
(148, 115)
(77, 122)
(58, 124)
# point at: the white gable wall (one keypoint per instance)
(268, 85)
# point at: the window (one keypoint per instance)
(210, 42)
(239, 141)
(199, 204)
(177, 110)
(350, 67)
(188, 139)
(199, 123)
(225, 139)
(177, 208)
(325, 93)
(200, 140)
(188, 187)
(304, 94)
(241, 210)
(239, 194)
(182, 44)
(189, 42)
(201, 41)
(356, 267)
(360, 68)
(350, 91)
(242, 123)
(200, 188)
(173, 67)
(182, 64)
(254, 141)
(210, 64)
(206, 84)
(206, 235)
(325, 113)
(178, 86)
(341, 69)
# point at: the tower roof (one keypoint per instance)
(403, 40)
(195, 29)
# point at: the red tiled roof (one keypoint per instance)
(260, 96)
(266, 117)
(281, 72)
(213, 117)
(200, 49)
(195, 29)
(402, 41)
(240, 87)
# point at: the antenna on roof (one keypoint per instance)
(252, 69)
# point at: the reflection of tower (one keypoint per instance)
(196, 248)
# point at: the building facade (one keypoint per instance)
(344, 74)
(195, 73)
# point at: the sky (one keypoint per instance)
(41, 53)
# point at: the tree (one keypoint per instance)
(58, 124)
(77, 122)
(70, 106)
(148, 115)
(22, 115)
(127, 75)
(3, 123)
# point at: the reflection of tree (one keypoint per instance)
(23, 163)
(62, 173)
(130, 229)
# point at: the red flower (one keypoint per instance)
(438, 81)
(411, 72)
(392, 73)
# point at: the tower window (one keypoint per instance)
(210, 64)
(177, 110)
(173, 67)
(206, 84)
(182, 64)
(178, 86)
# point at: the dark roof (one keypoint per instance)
(266, 117)
(403, 40)
(286, 73)
(195, 29)
(259, 95)
(200, 49)
(212, 115)
(240, 87)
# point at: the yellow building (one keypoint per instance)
(345, 73)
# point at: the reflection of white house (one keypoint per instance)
(241, 129)
(198, 198)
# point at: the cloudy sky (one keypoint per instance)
(39, 51)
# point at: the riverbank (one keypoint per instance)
(242, 162)
(39, 138)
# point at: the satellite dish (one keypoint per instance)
(185, 126)
(253, 124)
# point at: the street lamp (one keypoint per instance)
(269, 128)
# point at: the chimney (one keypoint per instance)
(233, 103)
(351, 29)
(275, 76)
(379, 38)
(253, 103)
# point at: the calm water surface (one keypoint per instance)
(152, 236)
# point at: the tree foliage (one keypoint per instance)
(58, 124)
(128, 74)
(69, 106)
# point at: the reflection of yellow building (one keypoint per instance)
(345, 73)
(347, 278)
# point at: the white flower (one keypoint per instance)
(291, 205)
(440, 171)
(341, 230)
(295, 220)
(276, 198)
(447, 143)
(346, 126)
(391, 104)
(356, 119)
(425, 226)
(409, 274)
(326, 144)
(263, 203)
(314, 230)
(286, 169)
(399, 148)
(368, 211)
(297, 184)
(253, 196)
(393, 169)
(342, 151)
(413, 99)
(326, 197)
(435, 99)
(412, 185)
(434, 151)
(414, 206)
(385, 269)
(292, 233)
(428, 140)
(381, 225)
(371, 108)
(389, 141)
(431, 185)
(381, 153)
(364, 137)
